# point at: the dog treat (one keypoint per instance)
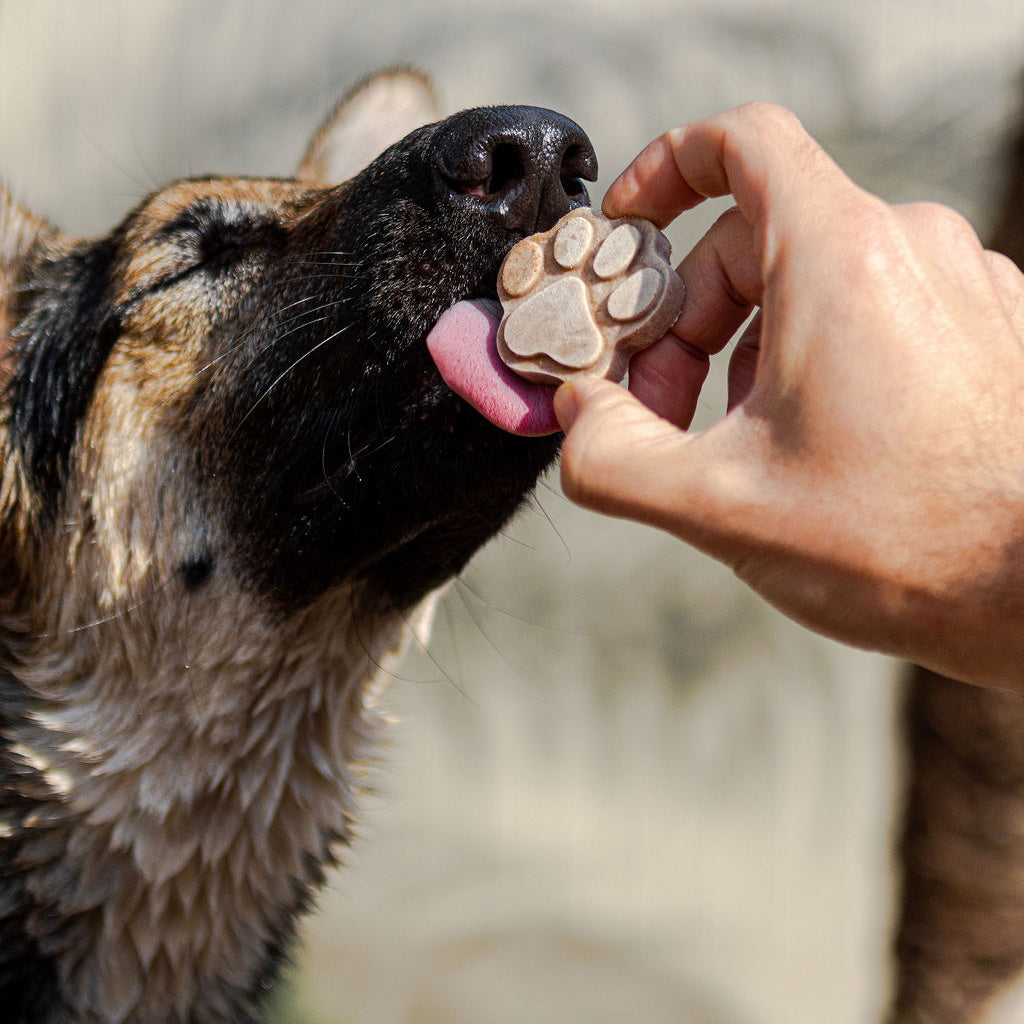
(584, 297)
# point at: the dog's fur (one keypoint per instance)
(230, 474)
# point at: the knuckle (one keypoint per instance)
(882, 241)
(770, 114)
(1008, 281)
(767, 120)
(940, 221)
(759, 118)
(869, 242)
(1004, 266)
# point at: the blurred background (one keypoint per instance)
(618, 787)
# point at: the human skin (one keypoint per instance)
(868, 478)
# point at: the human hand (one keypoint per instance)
(869, 477)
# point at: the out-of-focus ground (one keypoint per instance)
(621, 788)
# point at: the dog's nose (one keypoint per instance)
(525, 165)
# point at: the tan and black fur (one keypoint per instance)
(229, 477)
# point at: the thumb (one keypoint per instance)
(620, 458)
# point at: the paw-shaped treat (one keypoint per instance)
(584, 297)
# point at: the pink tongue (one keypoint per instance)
(464, 348)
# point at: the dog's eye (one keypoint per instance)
(220, 246)
(214, 239)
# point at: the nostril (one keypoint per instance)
(498, 173)
(578, 165)
(574, 189)
(508, 169)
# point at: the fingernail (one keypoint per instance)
(572, 396)
(622, 195)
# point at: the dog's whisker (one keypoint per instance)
(308, 318)
(311, 262)
(462, 582)
(428, 652)
(318, 253)
(119, 613)
(538, 505)
(320, 275)
(294, 324)
(327, 482)
(284, 373)
(390, 671)
(243, 339)
(479, 626)
(142, 189)
(352, 469)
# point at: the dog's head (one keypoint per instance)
(236, 378)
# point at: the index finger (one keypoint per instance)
(759, 153)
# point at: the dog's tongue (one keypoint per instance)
(464, 348)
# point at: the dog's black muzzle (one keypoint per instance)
(388, 476)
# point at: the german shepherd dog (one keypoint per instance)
(232, 476)
(231, 472)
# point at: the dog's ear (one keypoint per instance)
(376, 113)
(20, 236)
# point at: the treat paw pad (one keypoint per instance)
(584, 297)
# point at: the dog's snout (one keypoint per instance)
(525, 165)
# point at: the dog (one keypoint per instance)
(232, 474)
